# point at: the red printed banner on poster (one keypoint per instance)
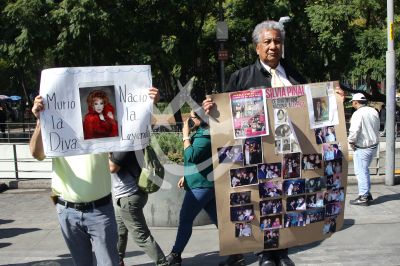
(249, 113)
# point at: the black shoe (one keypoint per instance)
(369, 197)
(174, 259)
(285, 261)
(361, 201)
(233, 260)
(266, 259)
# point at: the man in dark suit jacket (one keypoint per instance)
(269, 70)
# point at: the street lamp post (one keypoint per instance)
(390, 98)
(222, 36)
(282, 21)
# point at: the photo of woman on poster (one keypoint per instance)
(321, 111)
(99, 122)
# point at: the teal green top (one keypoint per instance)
(198, 161)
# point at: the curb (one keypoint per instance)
(25, 183)
(46, 183)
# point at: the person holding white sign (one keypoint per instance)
(82, 194)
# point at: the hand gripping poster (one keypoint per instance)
(95, 109)
(292, 191)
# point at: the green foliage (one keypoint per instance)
(171, 145)
(333, 39)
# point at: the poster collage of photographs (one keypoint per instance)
(286, 198)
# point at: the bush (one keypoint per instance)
(171, 146)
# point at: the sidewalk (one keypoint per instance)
(30, 235)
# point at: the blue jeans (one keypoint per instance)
(362, 159)
(95, 230)
(194, 200)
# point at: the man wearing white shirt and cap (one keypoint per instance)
(363, 138)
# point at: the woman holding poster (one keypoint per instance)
(99, 122)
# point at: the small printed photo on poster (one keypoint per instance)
(230, 154)
(321, 109)
(243, 176)
(239, 198)
(242, 213)
(271, 222)
(335, 195)
(311, 161)
(294, 187)
(243, 230)
(333, 181)
(315, 200)
(99, 116)
(297, 203)
(286, 145)
(270, 189)
(333, 209)
(282, 131)
(322, 105)
(315, 184)
(271, 238)
(291, 165)
(294, 145)
(337, 167)
(249, 113)
(280, 116)
(278, 146)
(268, 207)
(331, 151)
(295, 219)
(325, 135)
(311, 201)
(269, 170)
(252, 151)
(315, 215)
(329, 225)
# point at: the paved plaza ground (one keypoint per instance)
(30, 235)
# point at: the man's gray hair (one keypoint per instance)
(267, 25)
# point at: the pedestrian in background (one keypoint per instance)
(197, 181)
(130, 201)
(363, 138)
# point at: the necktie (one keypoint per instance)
(275, 80)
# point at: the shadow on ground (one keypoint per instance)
(385, 198)
(347, 223)
(210, 258)
(11, 232)
(59, 262)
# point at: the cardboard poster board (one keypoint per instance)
(292, 188)
(72, 122)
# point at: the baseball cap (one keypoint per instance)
(358, 97)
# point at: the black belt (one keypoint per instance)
(373, 146)
(85, 206)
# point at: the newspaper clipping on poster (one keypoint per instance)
(286, 188)
(95, 109)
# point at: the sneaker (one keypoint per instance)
(233, 260)
(174, 259)
(361, 200)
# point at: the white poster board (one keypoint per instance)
(95, 109)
